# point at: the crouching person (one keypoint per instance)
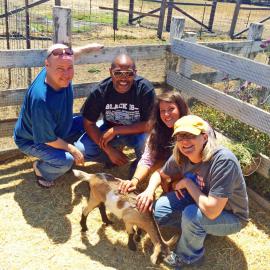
(46, 128)
(210, 196)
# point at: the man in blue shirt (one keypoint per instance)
(46, 127)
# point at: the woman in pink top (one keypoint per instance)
(168, 108)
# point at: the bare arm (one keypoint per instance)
(145, 199)
(211, 206)
(115, 155)
(135, 128)
(92, 47)
(61, 144)
(139, 175)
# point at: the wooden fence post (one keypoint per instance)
(212, 15)
(176, 31)
(185, 65)
(28, 38)
(235, 17)
(115, 15)
(131, 9)
(177, 28)
(169, 15)
(255, 31)
(161, 18)
(62, 25)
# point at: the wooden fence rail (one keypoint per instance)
(190, 52)
(183, 79)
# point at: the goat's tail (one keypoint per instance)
(169, 242)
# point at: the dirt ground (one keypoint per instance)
(40, 229)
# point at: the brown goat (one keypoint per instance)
(104, 193)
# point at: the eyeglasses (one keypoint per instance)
(185, 136)
(59, 52)
(123, 73)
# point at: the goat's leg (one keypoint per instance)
(131, 232)
(138, 235)
(104, 217)
(92, 204)
(145, 222)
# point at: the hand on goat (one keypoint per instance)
(145, 201)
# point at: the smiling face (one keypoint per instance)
(191, 145)
(123, 73)
(60, 71)
(169, 113)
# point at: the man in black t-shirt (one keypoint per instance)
(124, 100)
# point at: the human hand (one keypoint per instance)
(145, 201)
(180, 185)
(116, 156)
(127, 186)
(106, 137)
(93, 47)
(77, 154)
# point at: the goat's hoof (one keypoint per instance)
(153, 259)
(132, 246)
(137, 238)
(85, 229)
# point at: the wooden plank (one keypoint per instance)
(238, 109)
(259, 199)
(131, 10)
(17, 10)
(235, 47)
(235, 17)
(144, 14)
(231, 64)
(161, 18)
(182, 3)
(211, 77)
(62, 25)
(15, 97)
(191, 17)
(35, 57)
(264, 168)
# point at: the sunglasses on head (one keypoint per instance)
(59, 52)
(123, 73)
(185, 136)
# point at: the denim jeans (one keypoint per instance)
(184, 213)
(92, 151)
(54, 162)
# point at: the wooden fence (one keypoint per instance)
(209, 54)
(234, 65)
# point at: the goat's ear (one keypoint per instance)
(81, 175)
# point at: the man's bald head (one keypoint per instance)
(123, 60)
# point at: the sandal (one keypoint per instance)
(40, 180)
(43, 183)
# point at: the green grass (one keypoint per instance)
(101, 17)
(251, 139)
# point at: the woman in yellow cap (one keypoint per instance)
(210, 196)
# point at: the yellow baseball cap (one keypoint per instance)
(191, 124)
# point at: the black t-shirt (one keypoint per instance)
(120, 109)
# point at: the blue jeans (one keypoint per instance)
(185, 214)
(54, 162)
(92, 151)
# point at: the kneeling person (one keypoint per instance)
(125, 101)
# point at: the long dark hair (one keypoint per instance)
(160, 139)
